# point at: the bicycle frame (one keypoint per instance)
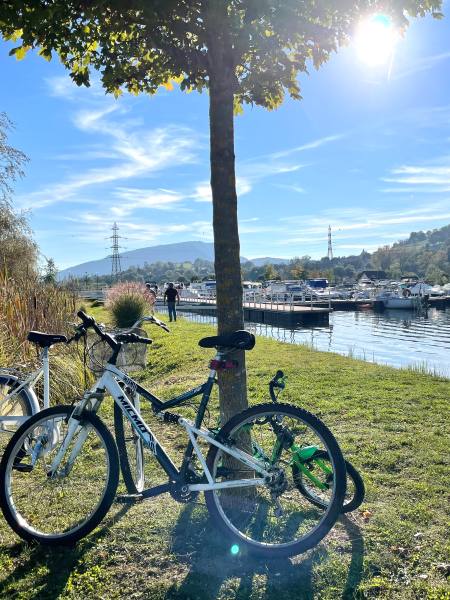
(109, 381)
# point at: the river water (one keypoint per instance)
(394, 337)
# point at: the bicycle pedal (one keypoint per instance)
(128, 498)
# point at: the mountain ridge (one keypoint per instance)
(177, 252)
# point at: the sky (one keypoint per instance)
(366, 151)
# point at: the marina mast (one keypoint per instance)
(330, 245)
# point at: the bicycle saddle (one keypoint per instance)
(45, 340)
(241, 340)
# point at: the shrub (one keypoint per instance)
(128, 302)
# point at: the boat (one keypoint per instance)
(394, 299)
(203, 289)
(251, 290)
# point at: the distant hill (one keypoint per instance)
(267, 260)
(423, 253)
(175, 253)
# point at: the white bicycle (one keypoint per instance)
(18, 399)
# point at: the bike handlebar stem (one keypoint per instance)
(90, 323)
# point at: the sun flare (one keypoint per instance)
(375, 40)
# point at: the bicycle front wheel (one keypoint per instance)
(274, 518)
(131, 450)
(63, 506)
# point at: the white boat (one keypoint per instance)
(203, 289)
(397, 300)
(420, 289)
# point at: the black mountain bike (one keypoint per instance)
(60, 470)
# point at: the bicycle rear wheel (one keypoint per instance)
(273, 519)
(131, 450)
(62, 507)
(20, 404)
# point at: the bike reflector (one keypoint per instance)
(222, 365)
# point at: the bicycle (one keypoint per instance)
(18, 399)
(129, 444)
(309, 464)
(306, 464)
(60, 471)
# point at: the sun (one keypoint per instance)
(375, 40)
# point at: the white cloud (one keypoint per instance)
(291, 187)
(135, 198)
(358, 225)
(433, 178)
(423, 64)
(90, 227)
(142, 153)
(202, 192)
(304, 147)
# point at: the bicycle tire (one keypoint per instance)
(10, 501)
(358, 488)
(27, 403)
(131, 452)
(328, 518)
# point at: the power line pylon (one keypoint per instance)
(116, 268)
(330, 245)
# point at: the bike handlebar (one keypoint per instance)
(90, 323)
(112, 341)
(151, 319)
(132, 338)
(276, 382)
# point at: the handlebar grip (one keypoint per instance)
(132, 338)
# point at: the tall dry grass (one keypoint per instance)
(28, 304)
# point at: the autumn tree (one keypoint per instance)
(17, 250)
(242, 51)
(11, 160)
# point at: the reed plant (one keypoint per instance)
(26, 304)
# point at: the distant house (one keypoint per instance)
(370, 276)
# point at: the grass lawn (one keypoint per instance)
(391, 424)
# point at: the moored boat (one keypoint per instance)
(396, 300)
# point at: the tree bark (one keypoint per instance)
(230, 317)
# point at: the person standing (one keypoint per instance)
(172, 295)
(151, 297)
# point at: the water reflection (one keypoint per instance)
(395, 337)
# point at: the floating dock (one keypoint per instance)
(263, 312)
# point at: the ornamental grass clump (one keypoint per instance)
(128, 302)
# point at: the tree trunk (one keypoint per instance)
(230, 317)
